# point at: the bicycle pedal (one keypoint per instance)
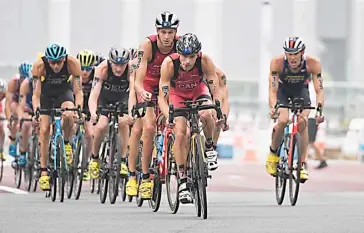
(209, 176)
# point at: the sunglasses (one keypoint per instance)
(86, 68)
(55, 62)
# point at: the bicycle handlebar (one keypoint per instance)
(57, 111)
(194, 105)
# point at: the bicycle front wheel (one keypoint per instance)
(1, 169)
(103, 181)
(62, 168)
(79, 165)
(294, 174)
(202, 174)
(172, 177)
(114, 168)
(281, 178)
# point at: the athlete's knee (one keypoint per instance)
(149, 128)
(136, 131)
(283, 121)
(44, 130)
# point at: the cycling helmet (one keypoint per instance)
(98, 59)
(166, 20)
(294, 45)
(2, 86)
(25, 69)
(188, 44)
(55, 52)
(133, 53)
(86, 57)
(119, 56)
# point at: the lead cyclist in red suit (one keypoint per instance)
(182, 78)
(155, 48)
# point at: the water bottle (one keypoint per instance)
(159, 146)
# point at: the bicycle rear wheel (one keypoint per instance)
(202, 174)
(114, 168)
(294, 174)
(281, 178)
(79, 166)
(18, 176)
(172, 176)
(155, 201)
(62, 169)
(139, 200)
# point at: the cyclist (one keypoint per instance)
(87, 60)
(98, 59)
(56, 88)
(25, 111)
(288, 78)
(11, 108)
(182, 79)
(225, 108)
(155, 48)
(112, 83)
(2, 133)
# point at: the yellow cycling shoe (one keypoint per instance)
(94, 168)
(131, 187)
(68, 149)
(271, 163)
(145, 189)
(2, 156)
(44, 183)
(86, 176)
(123, 169)
(304, 174)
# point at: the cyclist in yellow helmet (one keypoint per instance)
(87, 59)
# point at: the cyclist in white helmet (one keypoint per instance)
(112, 83)
(288, 78)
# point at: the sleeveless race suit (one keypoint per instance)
(293, 85)
(115, 89)
(28, 101)
(56, 87)
(187, 85)
(86, 89)
(153, 74)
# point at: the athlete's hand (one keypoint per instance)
(273, 113)
(35, 121)
(319, 119)
(146, 96)
(93, 118)
(126, 119)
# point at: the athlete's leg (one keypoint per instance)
(67, 126)
(99, 132)
(25, 134)
(124, 129)
(149, 125)
(44, 126)
(2, 139)
(134, 140)
(13, 129)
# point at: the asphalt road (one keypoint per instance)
(241, 199)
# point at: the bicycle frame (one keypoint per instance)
(57, 132)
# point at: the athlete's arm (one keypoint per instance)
(132, 95)
(273, 83)
(146, 47)
(209, 70)
(9, 97)
(24, 90)
(317, 80)
(225, 108)
(37, 71)
(100, 76)
(75, 70)
(167, 72)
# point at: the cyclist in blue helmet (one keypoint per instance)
(56, 89)
(11, 108)
(182, 76)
